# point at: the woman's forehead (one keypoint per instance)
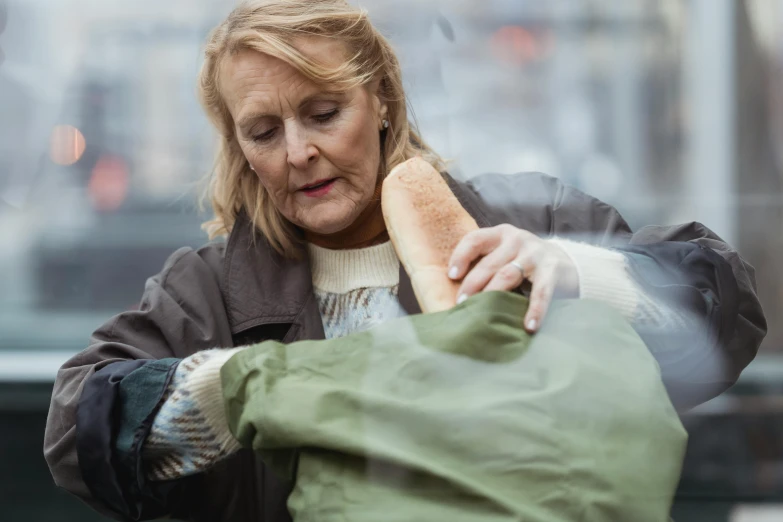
(327, 53)
(256, 81)
(249, 76)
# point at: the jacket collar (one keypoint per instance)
(261, 287)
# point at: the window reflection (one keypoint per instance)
(669, 110)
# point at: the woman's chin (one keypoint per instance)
(327, 227)
(330, 218)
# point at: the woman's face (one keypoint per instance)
(317, 152)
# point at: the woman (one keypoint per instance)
(307, 98)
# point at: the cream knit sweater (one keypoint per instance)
(355, 289)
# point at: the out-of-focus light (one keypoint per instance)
(534, 159)
(109, 183)
(601, 176)
(753, 513)
(67, 145)
(517, 45)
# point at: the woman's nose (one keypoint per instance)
(301, 151)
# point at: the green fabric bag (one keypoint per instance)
(462, 416)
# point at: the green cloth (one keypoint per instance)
(462, 416)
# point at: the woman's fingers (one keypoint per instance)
(544, 280)
(473, 246)
(493, 251)
(486, 271)
(510, 276)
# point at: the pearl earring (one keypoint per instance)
(385, 124)
(251, 167)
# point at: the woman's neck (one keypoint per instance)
(367, 230)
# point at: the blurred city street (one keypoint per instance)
(670, 110)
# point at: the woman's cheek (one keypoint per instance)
(276, 188)
(270, 169)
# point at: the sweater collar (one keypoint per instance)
(342, 271)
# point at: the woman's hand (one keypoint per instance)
(504, 257)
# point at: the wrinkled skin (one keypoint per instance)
(294, 132)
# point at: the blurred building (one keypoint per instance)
(671, 110)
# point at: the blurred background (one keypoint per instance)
(671, 110)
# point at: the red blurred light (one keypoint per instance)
(109, 184)
(516, 45)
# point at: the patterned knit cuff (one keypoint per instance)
(190, 432)
(603, 276)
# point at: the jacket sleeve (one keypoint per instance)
(606, 275)
(705, 278)
(105, 397)
(190, 433)
(699, 285)
(687, 264)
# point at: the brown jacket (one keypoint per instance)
(235, 293)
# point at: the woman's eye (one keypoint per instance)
(265, 136)
(325, 116)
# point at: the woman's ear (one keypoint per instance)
(379, 101)
(383, 113)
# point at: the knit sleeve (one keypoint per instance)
(604, 276)
(190, 432)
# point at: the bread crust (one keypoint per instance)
(425, 222)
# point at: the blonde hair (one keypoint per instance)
(270, 27)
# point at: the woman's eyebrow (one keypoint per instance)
(251, 119)
(246, 122)
(325, 95)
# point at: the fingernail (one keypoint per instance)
(453, 272)
(531, 325)
(462, 298)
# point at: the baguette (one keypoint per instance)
(425, 222)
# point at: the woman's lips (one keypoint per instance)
(320, 189)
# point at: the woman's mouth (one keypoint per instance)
(319, 188)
